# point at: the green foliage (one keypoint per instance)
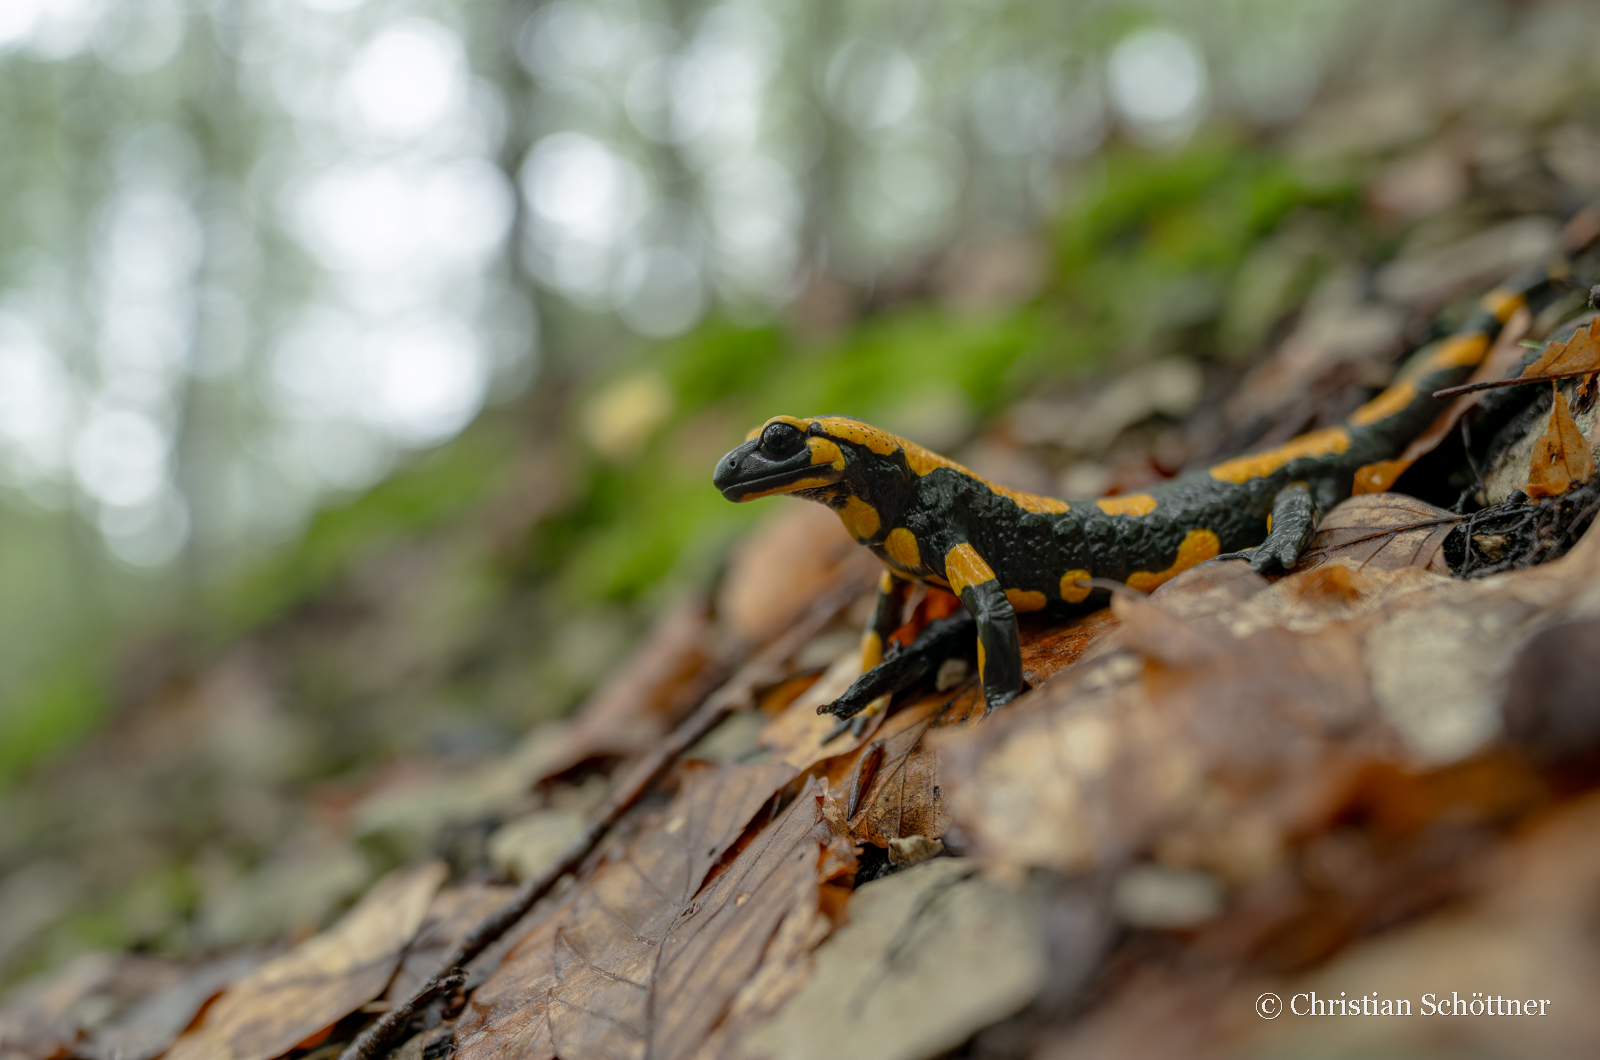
(428, 493)
(637, 523)
(720, 360)
(1201, 209)
(1148, 250)
(56, 711)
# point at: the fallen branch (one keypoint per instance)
(739, 692)
(1521, 380)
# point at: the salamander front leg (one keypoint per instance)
(1292, 524)
(999, 650)
(944, 639)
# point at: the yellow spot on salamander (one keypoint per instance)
(1132, 504)
(901, 544)
(1032, 502)
(1071, 591)
(1378, 477)
(1503, 301)
(983, 659)
(871, 650)
(1386, 404)
(793, 421)
(920, 460)
(1197, 547)
(1325, 442)
(1458, 351)
(886, 582)
(964, 567)
(1025, 600)
(859, 518)
(825, 452)
(863, 434)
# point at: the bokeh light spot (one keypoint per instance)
(408, 79)
(121, 458)
(1158, 84)
(659, 292)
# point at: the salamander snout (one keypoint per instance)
(777, 461)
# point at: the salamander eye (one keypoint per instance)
(780, 440)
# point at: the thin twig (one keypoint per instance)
(375, 1042)
(1521, 380)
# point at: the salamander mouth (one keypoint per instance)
(782, 482)
(747, 473)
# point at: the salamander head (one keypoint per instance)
(860, 472)
(784, 455)
(866, 475)
(835, 455)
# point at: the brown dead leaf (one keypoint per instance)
(1561, 457)
(597, 960)
(929, 956)
(454, 912)
(1516, 939)
(1384, 531)
(1580, 353)
(1211, 747)
(1440, 657)
(151, 1025)
(795, 736)
(1509, 931)
(1214, 740)
(889, 778)
(707, 960)
(645, 964)
(320, 981)
(38, 1023)
(891, 785)
(508, 1016)
(1550, 707)
(1049, 649)
(778, 570)
(1426, 276)
(1304, 601)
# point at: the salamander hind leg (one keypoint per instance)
(1289, 530)
(886, 618)
(893, 593)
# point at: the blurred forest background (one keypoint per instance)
(363, 362)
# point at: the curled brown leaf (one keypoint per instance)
(1561, 457)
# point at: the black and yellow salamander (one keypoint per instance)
(1003, 552)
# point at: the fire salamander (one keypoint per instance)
(1004, 552)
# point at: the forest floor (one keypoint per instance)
(1367, 786)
